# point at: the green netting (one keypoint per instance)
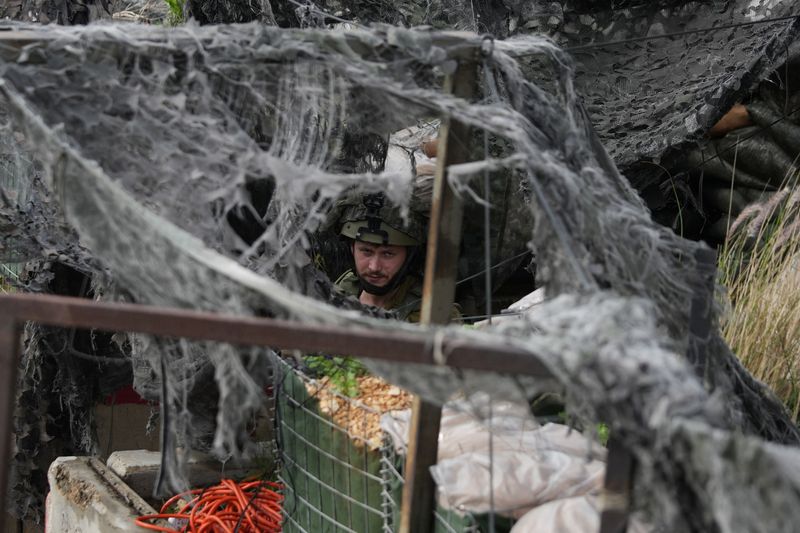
(334, 482)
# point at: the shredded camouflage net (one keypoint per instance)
(195, 164)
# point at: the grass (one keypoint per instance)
(760, 267)
(175, 12)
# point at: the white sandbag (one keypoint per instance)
(464, 431)
(520, 480)
(571, 515)
(580, 514)
(532, 464)
(466, 425)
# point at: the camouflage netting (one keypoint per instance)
(190, 165)
(653, 99)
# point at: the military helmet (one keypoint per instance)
(362, 230)
(375, 221)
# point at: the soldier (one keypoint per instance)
(387, 255)
(387, 251)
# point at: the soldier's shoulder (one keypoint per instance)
(348, 284)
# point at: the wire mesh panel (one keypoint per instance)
(9, 274)
(392, 464)
(336, 478)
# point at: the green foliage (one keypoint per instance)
(343, 372)
(603, 433)
(175, 11)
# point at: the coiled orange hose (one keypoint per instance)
(246, 507)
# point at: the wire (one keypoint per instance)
(480, 317)
(582, 47)
(495, 266)
(15, 275)
(246, 507)
(464, 280)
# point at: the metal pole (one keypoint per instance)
(399, 347)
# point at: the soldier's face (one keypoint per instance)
(377, 264)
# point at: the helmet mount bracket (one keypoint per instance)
(374, 203)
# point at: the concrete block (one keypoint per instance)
(139, 468)
(87, 497)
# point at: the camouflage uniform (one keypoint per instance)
(405, 301)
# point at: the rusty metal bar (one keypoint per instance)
(64, 311)
(400, 347)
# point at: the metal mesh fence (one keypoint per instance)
(336, 479)
(9, 274)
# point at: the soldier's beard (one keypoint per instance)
(382, 290)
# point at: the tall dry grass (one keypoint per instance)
(760, 267)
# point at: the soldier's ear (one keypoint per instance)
(353, 248)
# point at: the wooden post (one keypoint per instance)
(616, 496)
(441, 267)
(620, 464)
(9, 359)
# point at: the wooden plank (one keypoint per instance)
(441, 264)
(617, 489)
(444, 233)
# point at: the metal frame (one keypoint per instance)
(63, 311)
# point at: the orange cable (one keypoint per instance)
(246, 507)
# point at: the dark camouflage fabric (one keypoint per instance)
(405, 302)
